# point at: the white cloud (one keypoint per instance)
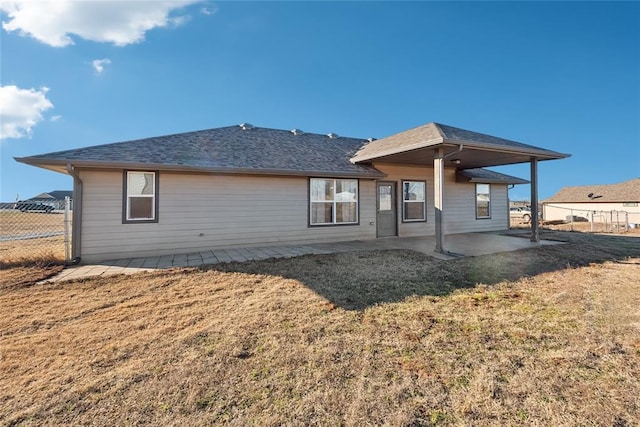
(208, 10)
(179, 21)
(98, 64)
(55, 118)
(20, 110)
(118, 22)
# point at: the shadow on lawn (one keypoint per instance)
(357, 280)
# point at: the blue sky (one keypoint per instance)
(560, 75)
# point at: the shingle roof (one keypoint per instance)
(487, 177)
(628, 191)
(433, 134)
(233, 149)
(254, 150)
(56, 195)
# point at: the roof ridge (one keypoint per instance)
(438, 126)
(432, 124)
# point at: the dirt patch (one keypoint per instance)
(21, 273)
(582, 227)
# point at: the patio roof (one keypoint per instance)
(417, 147)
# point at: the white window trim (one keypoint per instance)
(334, 222)
(127, 197)
(424, 202)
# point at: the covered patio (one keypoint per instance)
(441, 146)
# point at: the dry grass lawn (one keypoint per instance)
(545, 336)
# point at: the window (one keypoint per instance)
(333, 201)
(413, 196)
(483, 201)
(141, 201)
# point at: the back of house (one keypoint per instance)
(241, 186)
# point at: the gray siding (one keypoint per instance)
(201, 211)
(206, 211)
(459, 203)
(399, 173)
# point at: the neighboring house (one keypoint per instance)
(247, 186)
(56, 198)
(584, 201)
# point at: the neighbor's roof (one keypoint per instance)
(435, 134)
(628, 191)
(56, 195)
(232, 149)
(486, 176)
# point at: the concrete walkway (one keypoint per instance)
(458, 245)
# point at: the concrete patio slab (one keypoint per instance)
(457, 245)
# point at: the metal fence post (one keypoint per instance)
(626, 221)
(571, 219)
(67, 237)
(611, 222)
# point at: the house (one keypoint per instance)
(55, 198)
(249, 186)
(595, 202)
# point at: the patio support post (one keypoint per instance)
(438, 196)
(535, 235)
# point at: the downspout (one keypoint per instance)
(438, 172)
(76, 224)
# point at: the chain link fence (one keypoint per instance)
(599, 221)
(35, 231)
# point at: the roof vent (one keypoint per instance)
(333, 135)
(246, 126)
(297, 131)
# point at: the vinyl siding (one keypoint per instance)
(201, 211)
(205, 211)
(399, 173)
(459, 203)
(460, 208)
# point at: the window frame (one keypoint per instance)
(125, 197)
(424, 202)
(489, 202)
(333, 223)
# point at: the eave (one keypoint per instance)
(473, 154)
(60, 166)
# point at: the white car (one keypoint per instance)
(521, 213)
